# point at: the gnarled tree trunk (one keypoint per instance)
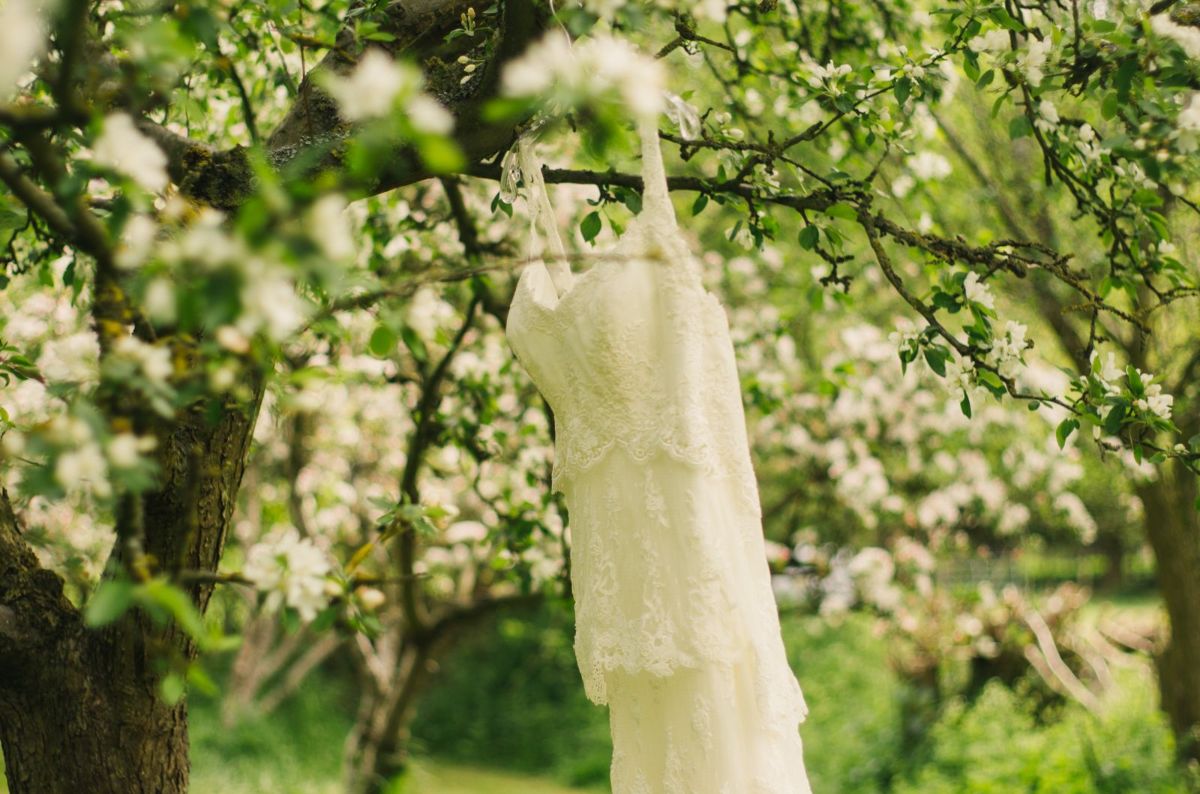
(1172, 525)
(79, 709)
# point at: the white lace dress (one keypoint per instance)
(676, 625)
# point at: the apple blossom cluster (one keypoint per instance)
(292, 571)
(379, 85)
(22, 39)
(601, 68)
(121, 147)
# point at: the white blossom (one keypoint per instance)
(270, 303)
(330, 228)
(137, 241)
(929, 165)
(1106, 371)
(291, 570)
(370, 91)
(600, 67)
(21, 40)
(1186, 37)
(153, 361)
(1047, 116)
(995, 40)
(124, 149)
(977, 291)
(1008, 348)
(683, 115)
(159, 300)
(124, 449)
(71, 359)
(426, 114)
(83, 470)
(1032, 62)
(1155, 401)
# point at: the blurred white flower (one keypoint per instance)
(137, 241)
(152, 360)
(995, 40)
(1047, 116)
(21, 40)
(270, 303)
(370, 91)
(83, 470)
(330, 228)
(72, 359)
(1032, 62)
(124, 149)
(1186, 37)
(426, 114)
(291, 570)
(124, 449)
(929, 165)
(600, 67)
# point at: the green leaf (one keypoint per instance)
(1135, 381)
(841, 210)
(809, 236)
(965, 405)
(1005, 19)
(1019, 127)
(1064, 431)
(171, 688)
(383, 341)
(986, 79)
(414, 343)
(1146, 197)
(1108, 108)
(590, 226)
(177, 603)
(935, 357)
(699, 204)
(441, 155)
(902, 89)
(111, 599)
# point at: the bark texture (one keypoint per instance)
(79, 709)
(1172, 525)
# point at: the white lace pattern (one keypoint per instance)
(677, 629)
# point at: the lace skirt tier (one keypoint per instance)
(678, 632)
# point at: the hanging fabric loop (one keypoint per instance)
(541, 217)
(655, 197)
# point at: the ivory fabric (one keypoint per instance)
(676, 625)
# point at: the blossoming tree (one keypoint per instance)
(170, 266)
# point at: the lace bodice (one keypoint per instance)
(635, 354)
(676, 625)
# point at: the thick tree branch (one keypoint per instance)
(33, 609)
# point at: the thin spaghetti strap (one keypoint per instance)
(655, 198)
(541, 216)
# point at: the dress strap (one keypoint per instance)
(541, 216)
(655, 197)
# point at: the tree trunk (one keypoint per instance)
(1172, 525)
(79, 708)
(80, 725)
(377, 749)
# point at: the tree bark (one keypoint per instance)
(79, 709)
(1172, 525)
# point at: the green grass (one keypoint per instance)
(431, 777)
(507, 716)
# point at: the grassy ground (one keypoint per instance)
(507, 717)
(438, 778)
